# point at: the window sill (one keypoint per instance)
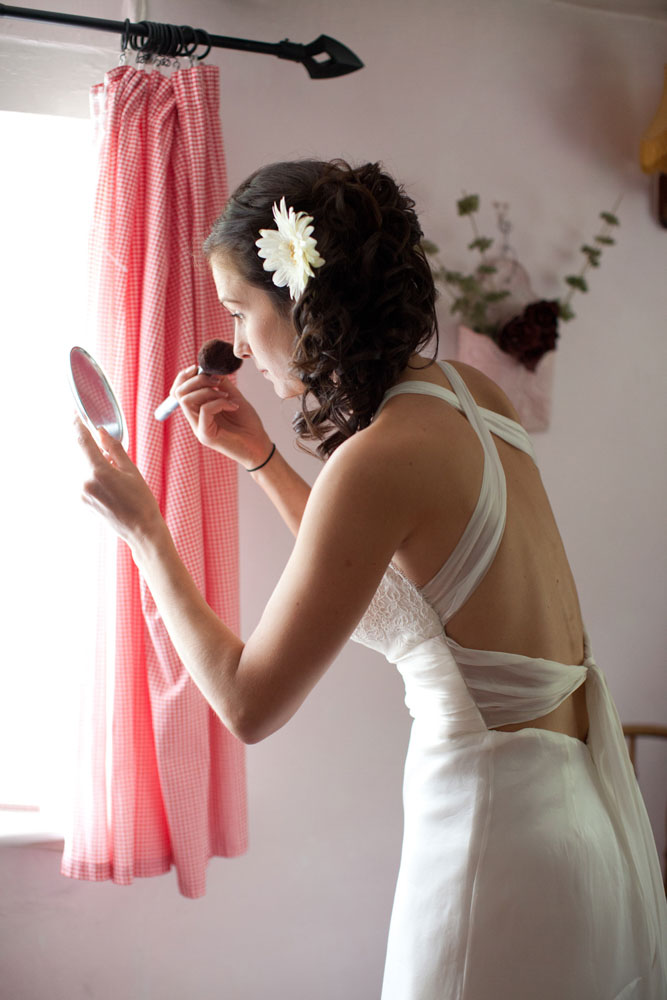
(29, 828)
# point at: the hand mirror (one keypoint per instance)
(94, 396)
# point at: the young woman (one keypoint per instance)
(528, 867)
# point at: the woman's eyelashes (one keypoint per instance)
(233, 315)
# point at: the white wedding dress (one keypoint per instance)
(529, 869)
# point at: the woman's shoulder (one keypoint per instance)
(412, 428)
(373, 462)
(407, 434)
(372, 454)
(484, 390)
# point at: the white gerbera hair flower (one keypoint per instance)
(290, 251)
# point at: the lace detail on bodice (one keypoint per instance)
(397, 613)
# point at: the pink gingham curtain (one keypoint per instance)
(161, 781)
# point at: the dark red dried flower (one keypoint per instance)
(529, 336)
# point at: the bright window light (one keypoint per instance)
(49, 540)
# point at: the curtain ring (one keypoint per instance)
(189, 52)
(160, 39)
(205, 41)
(172, 45)
(134, 39)
(178, 32)
(124, 38)
(167, 40)
(147, 47)
(175, 41)
(151, 42)
(155, 36)
(135, 43)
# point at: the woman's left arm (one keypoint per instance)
(347, 537)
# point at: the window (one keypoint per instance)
(49, 540)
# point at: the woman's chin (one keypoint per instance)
(286, 388)
(284, 392)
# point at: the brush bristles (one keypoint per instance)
(216, 357)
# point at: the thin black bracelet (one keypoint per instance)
(266, 460)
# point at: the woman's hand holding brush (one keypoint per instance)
(219, 415)
(215, 357)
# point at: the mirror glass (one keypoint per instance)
(94, 396)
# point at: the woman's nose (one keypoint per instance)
(241, 348)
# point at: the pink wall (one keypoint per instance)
(535, 103)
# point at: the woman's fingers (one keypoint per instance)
(114, 487)
(183, 376)
(88, 444)
(102, 457)
(197, 397)
(207, 426)
(191, 378)
(113, 450)
(97, 462)
(108, 448)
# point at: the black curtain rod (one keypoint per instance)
(340, 61)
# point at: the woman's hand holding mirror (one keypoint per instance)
(115, 488)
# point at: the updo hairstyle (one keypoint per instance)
(365, 311)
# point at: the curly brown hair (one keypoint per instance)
(368, 308)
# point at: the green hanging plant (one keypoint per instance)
(527, 336)
(577, 282)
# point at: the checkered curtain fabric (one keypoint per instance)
(162, 781)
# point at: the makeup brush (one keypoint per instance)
(216, 357)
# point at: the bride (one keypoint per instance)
(528, 867)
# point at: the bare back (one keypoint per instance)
(527, 603)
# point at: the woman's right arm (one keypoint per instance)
(285, 488)
(223, 419)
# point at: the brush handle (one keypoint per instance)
(169, 405)
(166, 408)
